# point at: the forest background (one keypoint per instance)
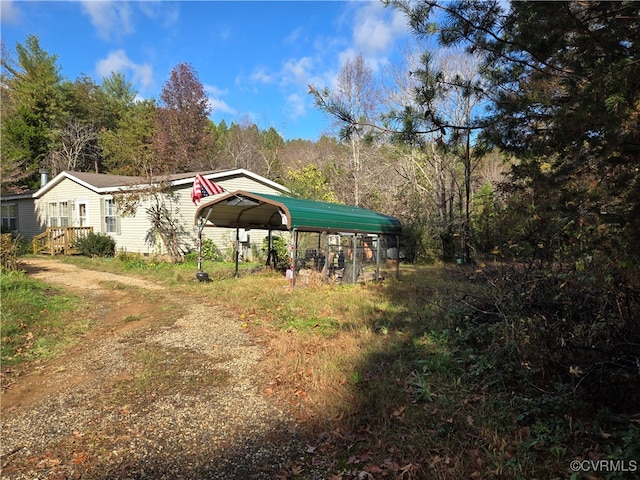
(510, 141)
(489, 137)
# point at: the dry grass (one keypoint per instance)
(402, 379)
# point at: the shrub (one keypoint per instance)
(96, 245)
(9, 252)
(210, 251)
(281, 248)
(132, 261)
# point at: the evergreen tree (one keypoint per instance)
(33, 105)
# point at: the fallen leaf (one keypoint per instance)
(399, 411)
(80, 457)
(373, 469)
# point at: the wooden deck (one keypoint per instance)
(59, 240)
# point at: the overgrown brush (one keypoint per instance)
(9, 252)
(575, 330)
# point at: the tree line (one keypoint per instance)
(510, 137)
(457, 142)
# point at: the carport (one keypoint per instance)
(248, 210)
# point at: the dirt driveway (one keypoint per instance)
(162, 386)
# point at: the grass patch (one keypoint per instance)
(415, 378)
(38, 321)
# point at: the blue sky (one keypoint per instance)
(255, 59)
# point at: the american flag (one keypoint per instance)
(203, 188)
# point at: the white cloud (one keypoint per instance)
(294, 37)
(376, 28)
(297, 71)
(295, 106)
(9, 12)
(261, 76)
(109, 17)
(118, 61)
(216, 104)
(220, 106)
(166, 13)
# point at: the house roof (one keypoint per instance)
(107, 183)
(256, 210)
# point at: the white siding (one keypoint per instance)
(133, 232)
(222, 237)
(72, 192)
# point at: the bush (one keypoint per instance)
(132, 261)
(96, 245)
(210, 251)
(281, 248)
(9, 253)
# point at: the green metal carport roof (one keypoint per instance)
(241, 209)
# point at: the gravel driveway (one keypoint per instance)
(168, 400)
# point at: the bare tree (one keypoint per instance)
(77, 149)
(243, 144)
(447, 96)
(356, 96)
(162, 209)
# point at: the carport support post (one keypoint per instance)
(200, 247)
(355, 255)
(237, 249)
(294, 254)
(200, 228)
(326, 257)
(398, 257)
(378, 257)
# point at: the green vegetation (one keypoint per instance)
(509, 366)
(8, 253)
(38, 321)
(280, 247)
(96, 245)
(435, 375)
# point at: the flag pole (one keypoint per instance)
(200, 275)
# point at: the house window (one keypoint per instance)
(58, 214)
(52, 214)
(63, 212)
(110, 217)
(10, 217)
(82, 214)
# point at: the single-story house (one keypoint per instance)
(82, 199)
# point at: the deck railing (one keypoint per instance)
(59, 240)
